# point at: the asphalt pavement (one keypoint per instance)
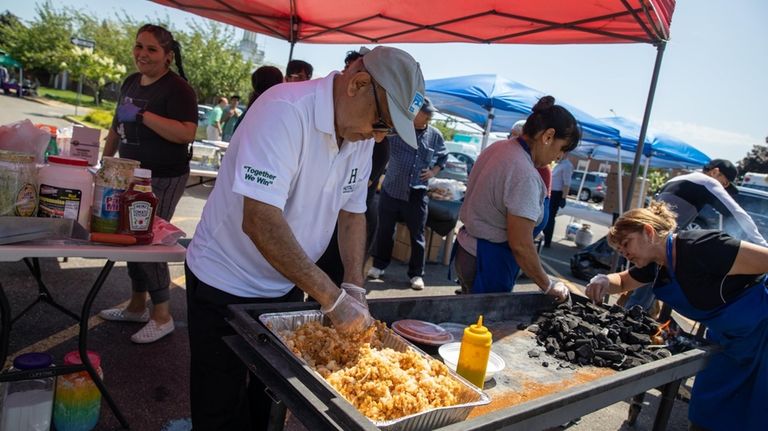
(150, 382)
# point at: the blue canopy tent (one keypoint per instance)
(658, 145)
(659, 150)
(607, 154)
(496, 103)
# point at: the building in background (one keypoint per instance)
(249, 48)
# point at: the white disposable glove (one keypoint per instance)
(558, 290)
(347, 314)
(356, 292)
(598, 288)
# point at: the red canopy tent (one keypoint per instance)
(439, 21)
(477, 21)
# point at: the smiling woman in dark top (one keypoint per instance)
(155, 121)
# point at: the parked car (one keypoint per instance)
(754, 202)
(597, 257)
(202, 114)
(455, 169)
(594, 187)
(755, 180)
(465, 157)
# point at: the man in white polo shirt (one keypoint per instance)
(299, 161)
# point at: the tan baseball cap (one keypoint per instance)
(400, 75)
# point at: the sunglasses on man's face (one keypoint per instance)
(380, 125)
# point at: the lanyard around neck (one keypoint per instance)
(524, 144)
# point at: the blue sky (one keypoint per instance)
(712, 92)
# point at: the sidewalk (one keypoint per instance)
(56, 104)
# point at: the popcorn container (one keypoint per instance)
(78, 399)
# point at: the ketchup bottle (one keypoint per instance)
(137, 207)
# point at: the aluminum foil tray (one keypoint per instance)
(429, 419)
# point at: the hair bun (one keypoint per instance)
(544, 104)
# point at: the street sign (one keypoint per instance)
(83, 43)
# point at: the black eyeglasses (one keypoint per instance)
(380, 125)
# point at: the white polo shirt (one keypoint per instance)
(284, 153)
(561, 175)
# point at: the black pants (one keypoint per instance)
(223, 394)
(330, 261)
(554, 207)
(414, 212)
(154, 277)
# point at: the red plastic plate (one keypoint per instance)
(422, 332)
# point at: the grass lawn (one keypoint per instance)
(81, 119)
(200, 134)
(70, 97)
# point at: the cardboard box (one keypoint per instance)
(434, 245)
(402, 247)
(85, 144)
(401, 251)
(611, 203)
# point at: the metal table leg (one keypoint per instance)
(82, 344)
(277, 412)
(5, 326)
(635, 406)
(668, 394)
(43, 294)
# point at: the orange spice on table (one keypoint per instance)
(532, 390)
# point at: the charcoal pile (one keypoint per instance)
(589, 334)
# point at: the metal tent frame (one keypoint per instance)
(480, 21)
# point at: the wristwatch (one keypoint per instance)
(140, 116)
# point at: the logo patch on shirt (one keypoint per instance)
(257, 176)
(418, 101)
(352, 183)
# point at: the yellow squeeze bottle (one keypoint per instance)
(474, 353)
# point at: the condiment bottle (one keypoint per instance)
(474, 353)
(137, 207)
(111, 181)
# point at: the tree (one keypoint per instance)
(8, 19)
(447, 127)
(756, 160)
(96, 69)
(44, 44)
(114, 38)
(212, 62)
(210, 56)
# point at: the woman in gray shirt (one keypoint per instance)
(504, 202)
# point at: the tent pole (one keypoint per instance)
(646, 117)
(619, 179)
(583, 177)
(487, 131)
(290, 53)
(294, 29)
(645, 181)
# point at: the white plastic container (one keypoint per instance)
(66, 189)
(28, 404)
(63, 140)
